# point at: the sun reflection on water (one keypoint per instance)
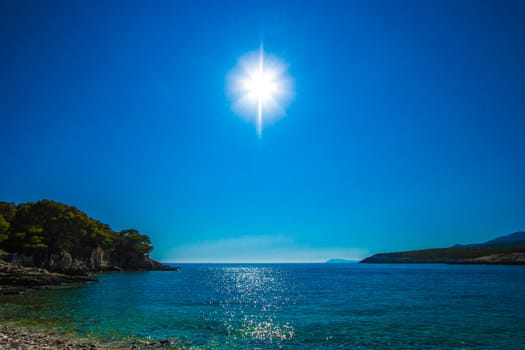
(252, 297)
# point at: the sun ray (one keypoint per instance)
(261, 82)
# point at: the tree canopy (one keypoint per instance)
(48, 227)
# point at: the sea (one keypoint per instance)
(292, 306)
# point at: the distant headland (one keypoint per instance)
(48, 243)
(504, 250)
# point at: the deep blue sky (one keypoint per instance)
(407, 129)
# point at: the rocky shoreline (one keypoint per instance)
(20, 338)
(15, 279)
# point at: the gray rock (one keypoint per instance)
(16, 278)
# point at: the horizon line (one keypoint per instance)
(350, 261)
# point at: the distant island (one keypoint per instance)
(504, 250)
(47, 243)
(340, 261)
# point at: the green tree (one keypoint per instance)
(46, 227)
(132, 241)
(7, 213)
(4, 229)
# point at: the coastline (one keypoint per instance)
(446, 256)
(15, 279)
(14, 336)
(503, 250)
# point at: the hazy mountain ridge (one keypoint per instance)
(504, 250)
(512, 239)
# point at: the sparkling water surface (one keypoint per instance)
(293, 306)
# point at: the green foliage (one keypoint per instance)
(7, 210)
(7, 213)
(50, 227)
(4, 229)
(132, 240)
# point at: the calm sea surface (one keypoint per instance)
(294, 306)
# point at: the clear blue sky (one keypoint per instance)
(407, 129)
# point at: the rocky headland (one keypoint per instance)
(46, 244)
(504, 250)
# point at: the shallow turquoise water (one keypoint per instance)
(295, 306)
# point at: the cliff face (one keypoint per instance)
(98, 260)
(19, 273)
(64, 262)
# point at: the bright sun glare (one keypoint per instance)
(260, 81)
(261, 86)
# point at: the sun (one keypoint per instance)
(260, 88)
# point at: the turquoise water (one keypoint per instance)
(295, 306)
